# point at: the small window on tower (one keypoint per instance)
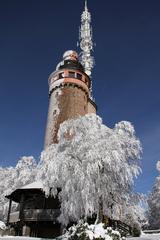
(71, 74)
(54, 112)
(86, 80)
(79, 76)
(61, 75)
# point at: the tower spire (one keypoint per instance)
(86, 5)
(86, 41)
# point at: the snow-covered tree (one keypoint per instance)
(6, 176)
(12, 178)
(93, 165)
(135, 212)
(26, 170)
(154, 203)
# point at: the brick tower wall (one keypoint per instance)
(91, 107)
(69, 90)
(65, 103)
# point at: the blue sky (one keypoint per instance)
(126, 79)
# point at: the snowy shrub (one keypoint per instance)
(115, 235)
(83, 231)
(94, 168)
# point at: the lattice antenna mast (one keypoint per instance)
(86, 42)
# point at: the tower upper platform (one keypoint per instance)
(69, 91)
(69, 70)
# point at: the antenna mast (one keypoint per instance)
(86, 42)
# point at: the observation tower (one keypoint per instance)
(70, 85)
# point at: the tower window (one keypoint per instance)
(54, 112)
(61, 75)
(71, 74)
(79, 76)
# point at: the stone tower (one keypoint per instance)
(70, 86)
(69, 95)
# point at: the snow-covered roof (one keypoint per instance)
(16, 194)
(34, 185)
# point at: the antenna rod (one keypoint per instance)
(86, 5)
(85, 41)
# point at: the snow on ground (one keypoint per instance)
(143, 237)
(20, 238)
(155, 236)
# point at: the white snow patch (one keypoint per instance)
(96, 231)
(20, 238)
(154, 236)
(2, 225)
(34, 185)
(158, 165)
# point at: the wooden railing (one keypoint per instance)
(122, 227)
(41, 214)
(35, 215)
